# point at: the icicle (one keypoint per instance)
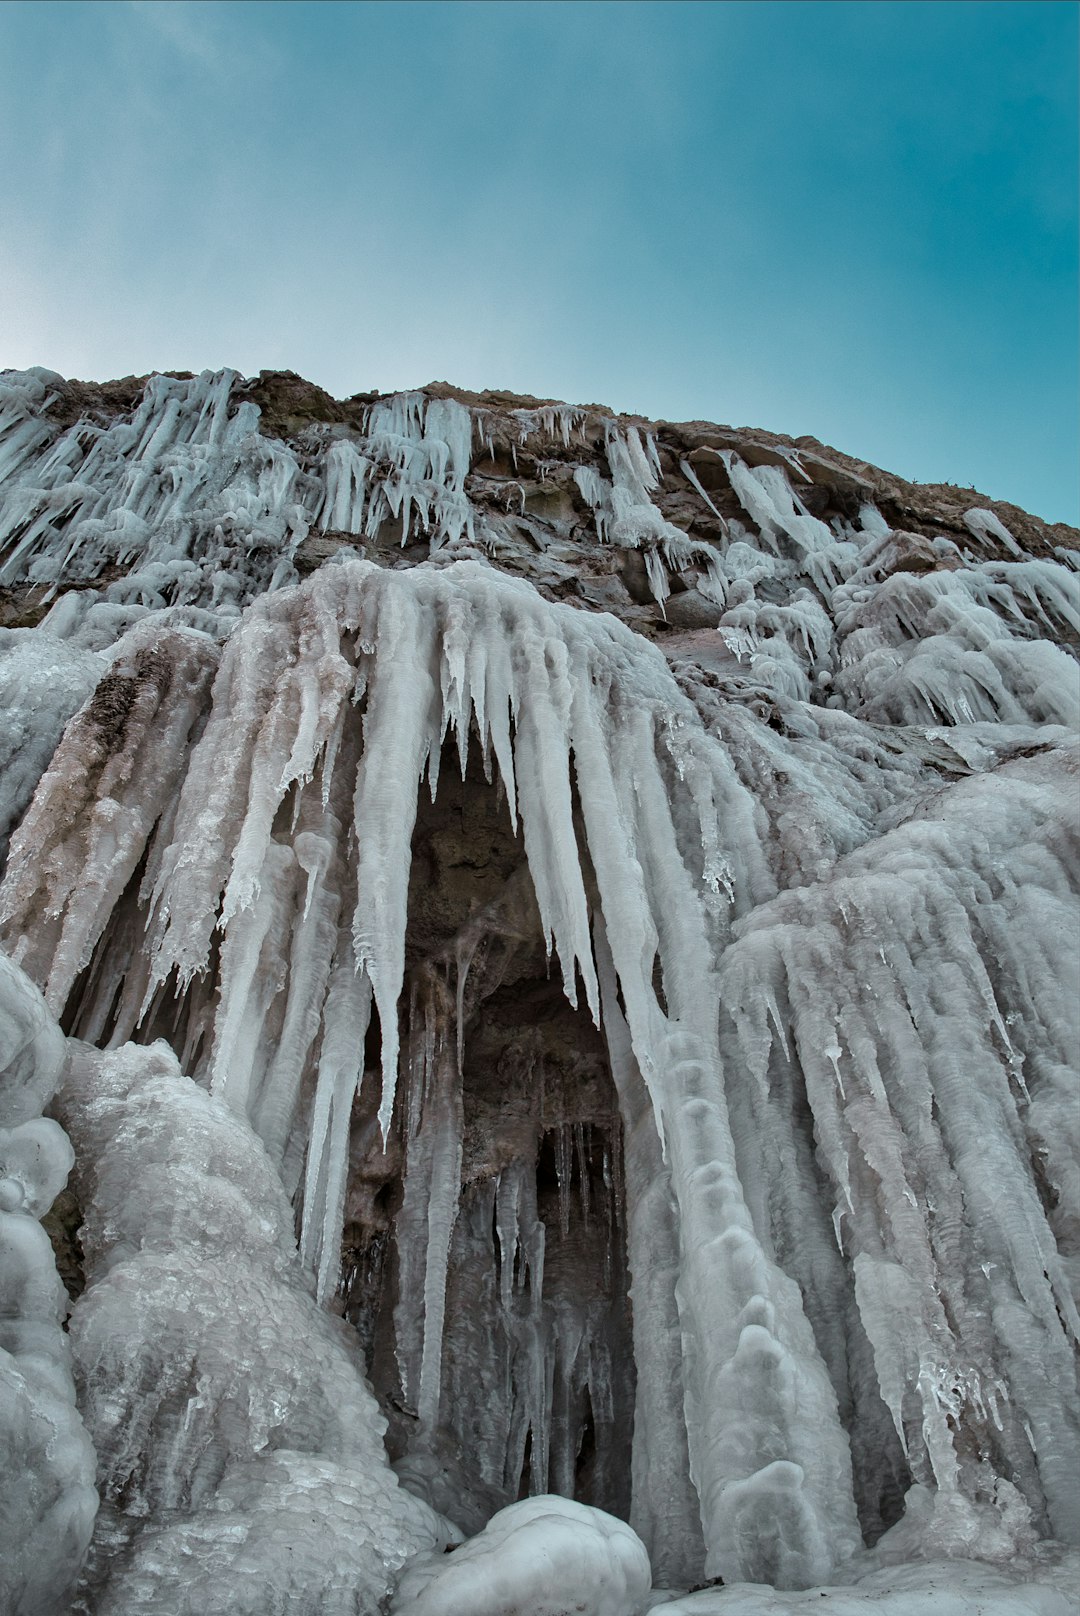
(582, 1153)
(507, 1208)
(664, 1508)
(531, 1238)
(401, 726)
(908, 1077)
(443, 1198)
(348, 1008)
(658, 578)
(563, 1170)
(987, 527)
(429, 1211)
(692, 478)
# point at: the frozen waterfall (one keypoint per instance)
(566, 938)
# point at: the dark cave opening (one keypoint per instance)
(537, 1360)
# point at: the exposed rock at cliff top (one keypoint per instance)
(671, 1106)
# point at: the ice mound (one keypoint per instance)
(546, 1555)
(220, 1399)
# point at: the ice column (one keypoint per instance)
(48, 1463)
(425, 1224)
(664, 1507)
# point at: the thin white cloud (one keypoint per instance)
(203, 32)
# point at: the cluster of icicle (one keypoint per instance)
(625, 515)
(263, 948)
(837, 995)
(186, 508)
(200, 510)
(203, 513)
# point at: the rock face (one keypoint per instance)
(616, 881)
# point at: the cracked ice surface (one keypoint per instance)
(812, 875)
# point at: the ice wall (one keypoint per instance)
(807, 869)
(313, 927)
(925, 994)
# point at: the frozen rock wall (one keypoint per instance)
(574, 918)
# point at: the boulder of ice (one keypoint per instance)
(546, 1555)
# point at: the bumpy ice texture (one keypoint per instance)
(48, 1503)
(809, 869)
(547, 1555)
(229, 1413)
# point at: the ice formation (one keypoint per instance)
(1030, 1587)
(574, 919)
(48, 1504)
(545, 1555)
(228, 1411)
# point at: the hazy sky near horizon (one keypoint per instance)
(855, 219)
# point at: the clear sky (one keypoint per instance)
(855, 219)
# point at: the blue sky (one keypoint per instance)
(855, 220)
